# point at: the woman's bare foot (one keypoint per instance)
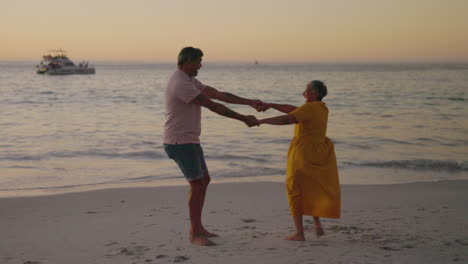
(201, 241)
(296, 237)
(319, 231)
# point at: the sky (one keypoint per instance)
(237, 30)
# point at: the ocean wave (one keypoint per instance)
(143, 178)
(343, 144)
(446, 98)
(400, 142)
(234, 157)
(22, 167)
(274, 141)
(20, 157)
(249, 172)
(122, 98)
(419, 164)
(125, 155)
(78, 154)
(27, 102)
(240, 173)
(362, 113)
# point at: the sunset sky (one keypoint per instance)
(265, 30)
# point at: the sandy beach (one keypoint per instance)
(403, 223)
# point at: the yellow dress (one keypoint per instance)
(312, 180)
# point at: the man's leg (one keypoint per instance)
(195, 209)
(206, 181)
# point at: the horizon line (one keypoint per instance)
(266, 61)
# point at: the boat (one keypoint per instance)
(56, 62)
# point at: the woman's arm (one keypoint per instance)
(213, 93)
(279, 120)
(283, 107)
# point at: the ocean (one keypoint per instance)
(391, 123)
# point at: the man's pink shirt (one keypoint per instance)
(183, 119)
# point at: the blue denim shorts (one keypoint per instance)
(189, 158)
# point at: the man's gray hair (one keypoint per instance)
(189, 54)
(320, 87)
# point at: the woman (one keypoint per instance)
(312, 175)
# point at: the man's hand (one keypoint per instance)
(259, 105)
(251, 121)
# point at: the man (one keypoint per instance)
(185, 96)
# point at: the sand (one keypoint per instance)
(403, 223)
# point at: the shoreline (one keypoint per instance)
(358, 176)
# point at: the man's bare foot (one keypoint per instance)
(319, 231)
(296, 237)
(201, 241)
(205, 233)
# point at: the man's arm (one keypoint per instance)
(279, 120)
(283, 107)
(233, 99)
(220, 109)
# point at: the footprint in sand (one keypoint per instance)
(463, 242)
(371, 237)
(248, 220)
(345, 229)
(257, 234)
(133, 251)
(180, 259)
(390, 248)
(32, 262)
(113, 243)
(245, 228)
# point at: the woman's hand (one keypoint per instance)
(259, 105)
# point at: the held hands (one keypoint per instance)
(259, 105)
(251, 121)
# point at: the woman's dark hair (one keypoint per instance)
(189, 54)
(320, 87)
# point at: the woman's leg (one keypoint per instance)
(299, 235)
(318, 227)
